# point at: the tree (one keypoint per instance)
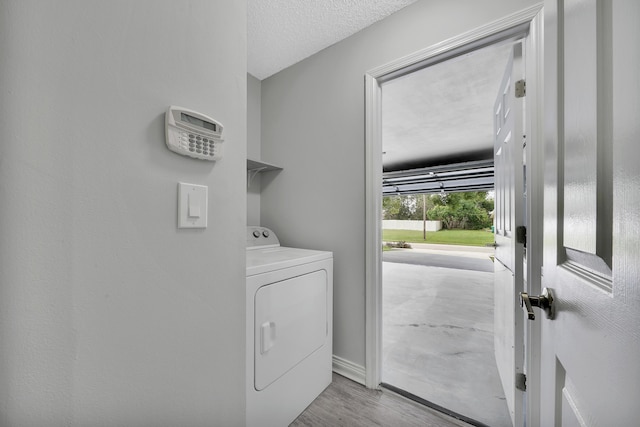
(461, 210)
(396, 207)
(417, 214)
(407, 206)
(456, 210)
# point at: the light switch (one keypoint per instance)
(192, 205)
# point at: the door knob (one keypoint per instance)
(544, 302)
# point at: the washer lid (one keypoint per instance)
(275, 258)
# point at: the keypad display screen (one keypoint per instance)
(198, 122)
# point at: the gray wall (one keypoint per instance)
(110, 315)
(254, 87)
(313, 127)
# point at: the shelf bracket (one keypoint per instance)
(251, 173)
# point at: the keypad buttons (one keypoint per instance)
(200, 146)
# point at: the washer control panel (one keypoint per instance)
(261, 237)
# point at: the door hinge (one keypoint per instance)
(521, 235)
(521, 382)
(521, 88)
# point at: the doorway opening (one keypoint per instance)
(412, 177)
(438, 286)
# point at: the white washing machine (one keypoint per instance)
(289, 335)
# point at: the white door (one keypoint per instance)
(509, 215)
(590, 367)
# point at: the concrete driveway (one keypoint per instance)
(438, 329)
(447, 256)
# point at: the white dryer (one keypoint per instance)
(289, 303)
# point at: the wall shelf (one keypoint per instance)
(255, 167)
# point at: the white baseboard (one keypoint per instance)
(349, 369)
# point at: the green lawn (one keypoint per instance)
(444, 237)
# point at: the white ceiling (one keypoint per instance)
(281, 33)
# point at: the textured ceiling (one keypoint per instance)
(283, 32)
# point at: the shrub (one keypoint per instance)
(401, 244)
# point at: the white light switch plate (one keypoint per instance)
(192, 205)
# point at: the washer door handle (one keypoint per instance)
(267, 336)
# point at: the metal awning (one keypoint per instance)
(467, 176)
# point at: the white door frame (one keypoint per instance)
(527, 24)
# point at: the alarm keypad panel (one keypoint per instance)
(193, 134)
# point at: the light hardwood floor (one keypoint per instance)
(347, 403)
